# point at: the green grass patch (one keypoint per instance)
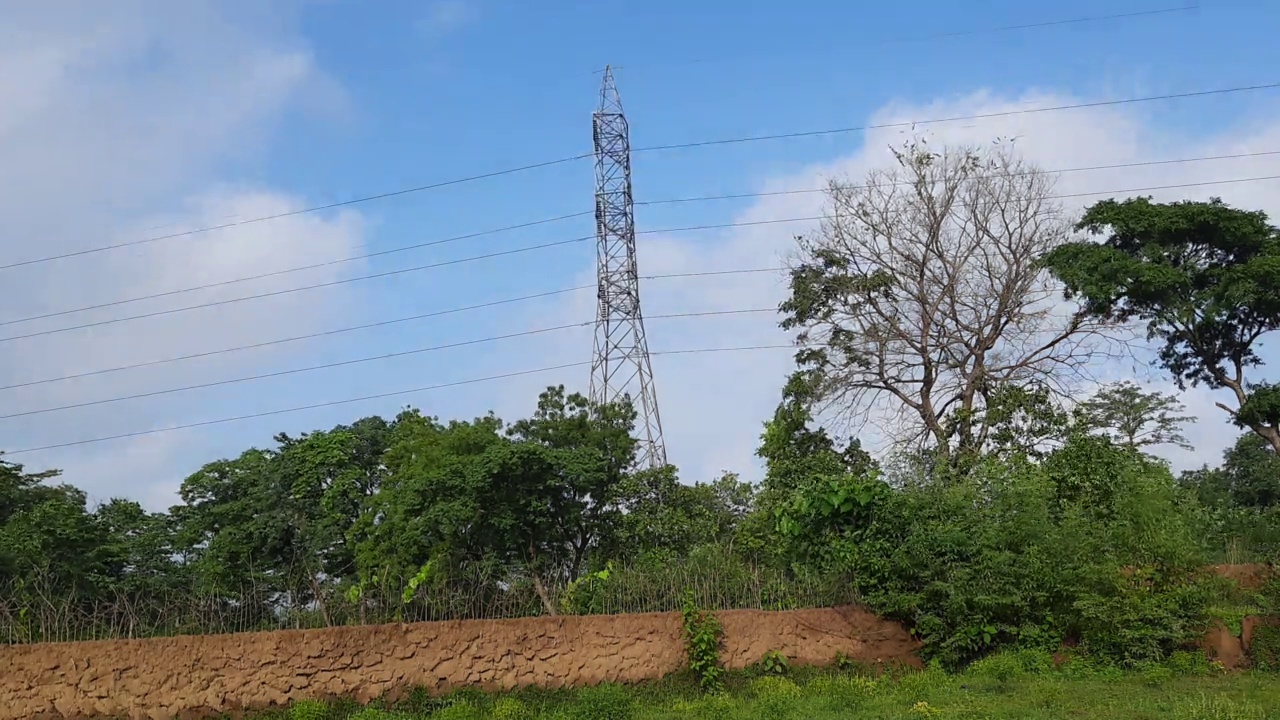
(1019, 685)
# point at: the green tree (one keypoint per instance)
(1134, 418)
(1249, 476)
(1205, 279)
(47, 535)
(138, 549)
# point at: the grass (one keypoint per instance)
(1004, 687)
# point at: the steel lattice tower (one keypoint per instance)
(620, 364)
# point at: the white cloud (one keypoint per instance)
(117, 123)
(713, 405)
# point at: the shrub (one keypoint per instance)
(702, 635)
(1001, 667)
(1264, 649)
(1143, 616)
(1185, 662)
(603, 702)
(774, 663)
(1010, 553)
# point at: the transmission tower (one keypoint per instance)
(620, 364)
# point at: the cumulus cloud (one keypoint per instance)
(713, 405)
(117, 123)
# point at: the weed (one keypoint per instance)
(703, 634)
(774, 663)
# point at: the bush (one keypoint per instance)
(1185, 662)
(1264, 649)
(1001, 667)
(1011, 553)
(603, 702)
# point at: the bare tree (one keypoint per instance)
(921, 295)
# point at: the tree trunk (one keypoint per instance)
(542, 593)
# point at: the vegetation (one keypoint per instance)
(1003, 686)
(1019, 509)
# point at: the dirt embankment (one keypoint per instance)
(1222, 643)
(202, 676)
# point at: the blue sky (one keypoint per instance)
(149, 113)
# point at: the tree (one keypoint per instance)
(47, 535)
(1249, 476)
(1203, 276)
(921, 294)
(1133, 418)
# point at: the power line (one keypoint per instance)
(287, 271)
(297, 338)
(360, 360)
(508, 301)
(805, 191)
(956, 118)
(302, 211)
(532, 223)
(652, 148)
(377, 396)
(543, 246)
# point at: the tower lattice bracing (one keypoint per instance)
(620, 363)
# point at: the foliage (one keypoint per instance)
(1134, 418)
(1019, 516)
(703, 635)
(1264, 649)
(1203, 276)
(774, 663)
